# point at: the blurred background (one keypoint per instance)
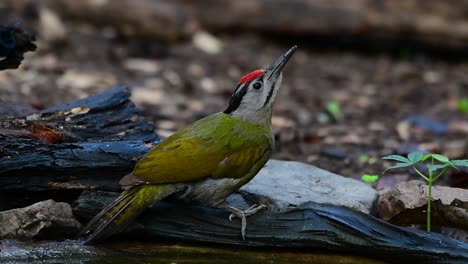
(370, 78)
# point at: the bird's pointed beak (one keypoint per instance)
(275, 69)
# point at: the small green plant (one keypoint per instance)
(463, 105)
(334, 108)
(363, 158)
(436, 166)
(333, 112)
(368, 178)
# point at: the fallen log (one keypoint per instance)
(437, 23)
(90, 143)
(86, 144)
(142, 18)
(310, 226)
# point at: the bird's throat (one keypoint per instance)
(261, 117)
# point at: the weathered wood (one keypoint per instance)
(312, 226)
(142, 18)
(86, 144)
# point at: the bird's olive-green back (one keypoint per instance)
(217, 146)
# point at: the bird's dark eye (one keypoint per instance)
(257, 85)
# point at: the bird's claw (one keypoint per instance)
(242, 214)
(232, 216)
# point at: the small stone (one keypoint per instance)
(196, 69)
(51, 26)
(142, 65)
(164, 133)
(208, 85)
(282, 122)
(376, 126)
(458, 127)
(403, 129)
(148, 96)
(455, 149)
(79, 110)
(172, 77)
(431, 77)
(83, 80)
(166, 124)
(47, 220)
(207, 42)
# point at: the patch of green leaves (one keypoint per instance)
(463, 105)
(416, 157)
(438, 157)
(369, 178)
(332, 112)
(412, 159)
(334, 108)
(436, 165)
(457, 163)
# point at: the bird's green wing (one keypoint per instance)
(238, 164)
(216, 146)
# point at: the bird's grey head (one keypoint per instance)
(253, 98)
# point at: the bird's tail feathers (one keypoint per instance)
(122, 211)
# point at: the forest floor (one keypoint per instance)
(390, 102)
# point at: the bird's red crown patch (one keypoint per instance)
(250, 76)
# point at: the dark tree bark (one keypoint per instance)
(86, 144)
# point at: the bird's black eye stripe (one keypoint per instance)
(236, 98)
(257, 85)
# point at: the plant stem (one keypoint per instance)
(429, 199)
(420, 173)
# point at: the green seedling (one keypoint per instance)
(463, 105)
(368, 178)
(333, 111)
(334, 108)
(436, 166)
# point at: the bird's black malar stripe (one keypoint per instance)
(236, 98)
(270, 94)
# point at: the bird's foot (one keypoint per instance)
(242, 214)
